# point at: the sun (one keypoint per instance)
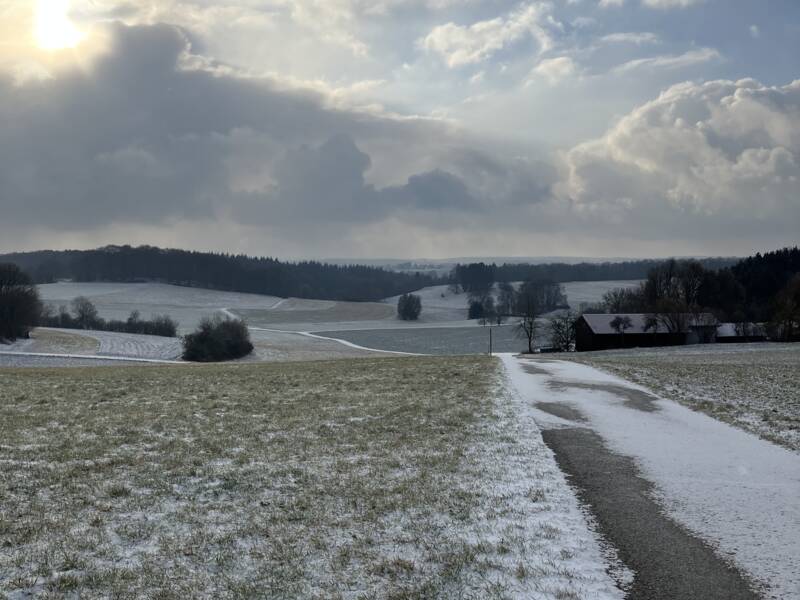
(54, 30)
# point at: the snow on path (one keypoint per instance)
(738, 492)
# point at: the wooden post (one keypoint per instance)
(490, 340)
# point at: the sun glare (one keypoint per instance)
(54, 30)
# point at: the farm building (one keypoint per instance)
(607, 332)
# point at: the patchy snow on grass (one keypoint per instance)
(732, 489)
(379, 478)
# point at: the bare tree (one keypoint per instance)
(621, 324)
(562, 331)
(85, 312)
(526, 326)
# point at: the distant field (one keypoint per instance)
(590, 292)
(472, 339)
(315, 311)
(383, 478)
(753, 386)
(186, 305)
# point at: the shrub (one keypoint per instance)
(217, 340)
(409, 307)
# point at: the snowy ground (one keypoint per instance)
(591, 292)
(753, 386)
(76, 343)
(185, 305)
(384, 478)
(734, 490)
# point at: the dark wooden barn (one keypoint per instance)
(598, 332)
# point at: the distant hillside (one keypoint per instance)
(309, 279)
(237, 273)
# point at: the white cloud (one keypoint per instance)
(671, 61)
(460, 45)
(555, 69)
(721, 158)
(670, 3)
(637, 38)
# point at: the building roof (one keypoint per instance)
(601, 324)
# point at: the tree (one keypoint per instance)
(475, 310)
(526, 326)
(409, 307)
(489, 310)
(505, 299)
(621, 324)
(19, 303)
(787, 313)
(562, 331)
(85, 313)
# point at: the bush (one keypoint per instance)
(19, 303)
(409, 307)
(217, 340)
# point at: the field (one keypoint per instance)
(185, 305)
(591, 292)
(378, 478)
(753, 386)
(472, 339)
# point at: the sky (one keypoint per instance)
(401, 128)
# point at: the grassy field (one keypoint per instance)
(373, 478)
(753, 386)
(473, 339)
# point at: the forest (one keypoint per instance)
(226, 272)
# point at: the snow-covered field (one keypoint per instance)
(77, 343)
(591, 292)
(384, 478)
(732, 489)
(185, 305)
(471, 339)
(753, 386)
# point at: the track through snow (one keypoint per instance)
(736, 492)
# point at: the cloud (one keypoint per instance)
(555, 69)
(153, 134)
(671, 61)
(717, 159)
(460, 45)
(637, 38)
(664, 4)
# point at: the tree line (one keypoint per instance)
(219, 271)
(84, 315)
(478, 276)
(764, 288)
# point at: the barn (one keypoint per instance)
(603, 332)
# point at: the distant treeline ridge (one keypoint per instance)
(235, 273)
(307, 279)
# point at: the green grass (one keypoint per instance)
(314, 480)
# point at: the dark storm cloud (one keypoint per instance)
(147, 135)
